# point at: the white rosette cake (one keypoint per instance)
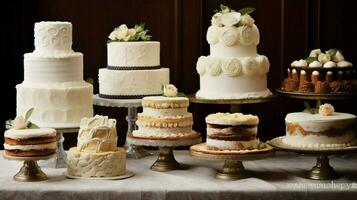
(96, 154)
(233, 70)
(133, 69)
(53, 79)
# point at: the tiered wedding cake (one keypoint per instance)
(53, 81)
(97, 154)
(234, 70)
(133, 69)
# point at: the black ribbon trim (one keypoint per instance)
(106, 96)
(132, 67)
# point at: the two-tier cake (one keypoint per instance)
(233, 70)
(133, 69)
(53, 80)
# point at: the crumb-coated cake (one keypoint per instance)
(232, 131)
(322, 73)
(324, 129)
(96, 154)
(22, 141)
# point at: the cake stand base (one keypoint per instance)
(322, 170)
(233, 168)
(165, 161)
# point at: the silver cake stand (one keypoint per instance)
(59, 160)
(132, 151)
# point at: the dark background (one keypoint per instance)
(288, 30)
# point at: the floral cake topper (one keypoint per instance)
(21, 122)
(124, 34)
(229, 17)
(170, 90)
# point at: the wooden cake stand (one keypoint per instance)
(166, 160)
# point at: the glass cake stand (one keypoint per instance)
(166, 160)
(322, 170)
(132, 151)
(29, 171)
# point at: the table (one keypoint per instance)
(279, 177)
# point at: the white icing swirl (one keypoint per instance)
(315, 64)
(213, 66)
(249, 66)
(212, 35)
(301, 63)
(330, 64)
(201, 65)
(231, 67)
(229, 35)
(263, 64)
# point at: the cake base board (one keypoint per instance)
(99, 101)
(127, 174)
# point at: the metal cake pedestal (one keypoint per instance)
(30, 171)
(132, 151)
(233, 168)
(322, 170)
(166, 160)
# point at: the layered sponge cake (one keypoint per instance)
(232, 131)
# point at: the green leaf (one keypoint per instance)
(246, 11)
(33, 126)
(332, 52)
(28, 114)
(310, 59)
(90, 81)
(318, 104)
(307, 105)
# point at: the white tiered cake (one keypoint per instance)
(53, 80)
(234, 70)
(133, 69)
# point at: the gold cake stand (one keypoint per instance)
(166, 160)
(30, 171)
(322, 170)
(233, 168)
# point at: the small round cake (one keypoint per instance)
(30, 142)
(320, 130)
(232, 131)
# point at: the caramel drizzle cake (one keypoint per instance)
(97, 154)
(22, 141)
(324, 129)
(232, 131)
(324, 73)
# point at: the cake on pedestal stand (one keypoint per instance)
(322, 170)
(166, 160)
(30, 171)
(132, 151)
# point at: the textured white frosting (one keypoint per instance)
(29, 133)
(132, 82)
(315, 141)
(89, 164)
(53, 38)
(164, 113)
(52, 145)
(56, 104)
(231, 145)
(232, 119)
(39, 69)
(163, 132)
(137, 54)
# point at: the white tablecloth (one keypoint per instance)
(281, 177)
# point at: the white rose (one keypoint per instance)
(315, 53)
(326, 109)
(344, 64)
(301, 63)
(229, 35)
(256, 34)
(170, 90)
(112, 35)
(324, 58)
(315, 64)
(121, 32)
(231, 67)
(249, 66)
(338, 57)
(19, 123)
(248, 35)
(263, 64)
(201, 65)
(230, 19)
(216, 19)
(213, 66)
(247, 20)
(212, 35)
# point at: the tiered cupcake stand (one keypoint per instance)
(132, 151)
(233, 167)
(322, 170)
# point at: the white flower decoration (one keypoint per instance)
(344, 64)
(248, 35)
(263, 64)
(213, 66)
(230, 19)
(315, 53)
(324, 58)
(338, 57)
(330, 64)
(216, 19)
(326, 109)
(249, 66)
(19, 123)
(229, 35)
(315, 64)
(256, 34)
(231, 67)
(212, 35)
(170, 90)
(247, 20)
(201, 65)
(301, 63)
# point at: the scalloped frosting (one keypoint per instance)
(232, 119)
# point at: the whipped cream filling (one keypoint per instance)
(229, 131)
(231, 145)
(165, 112)
(163, 132)
(29, 133)
(52, 145)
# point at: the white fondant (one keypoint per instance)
(132, 82)
(238, 50)
(29, 133)
(138, 54)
